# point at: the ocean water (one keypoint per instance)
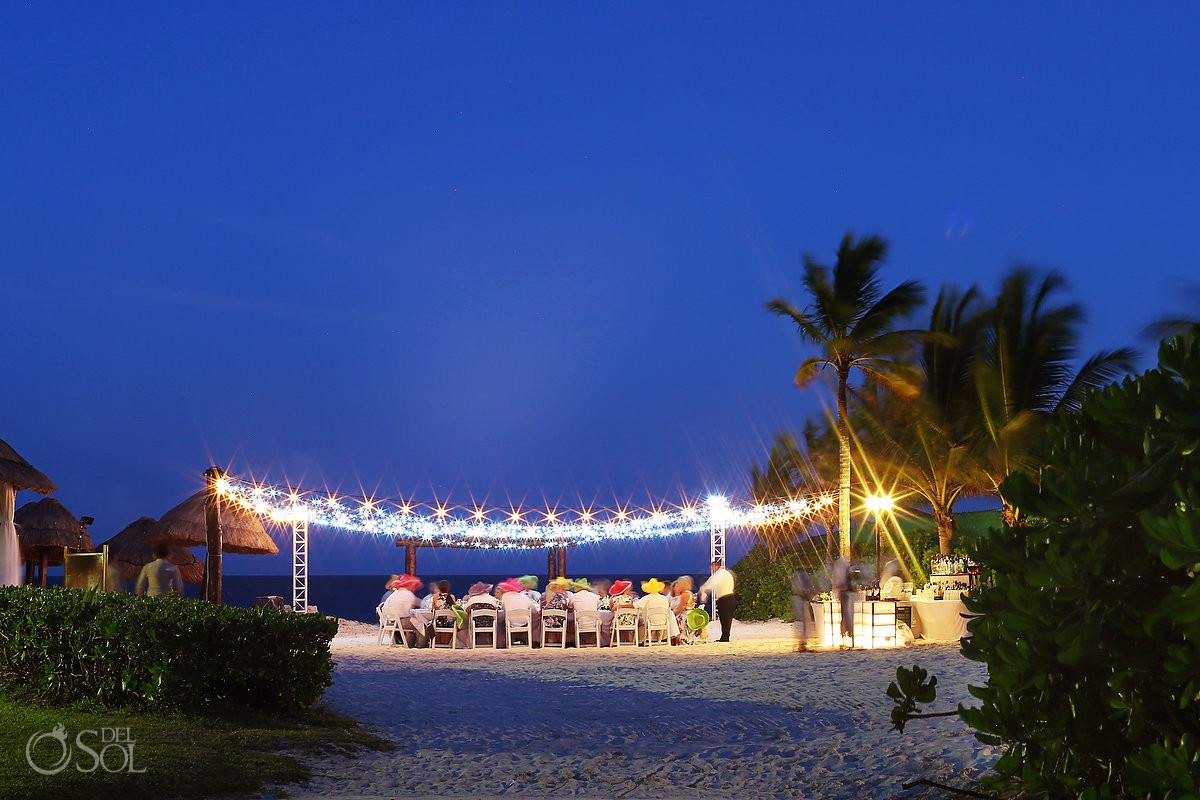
(352, 596)
(356, 596)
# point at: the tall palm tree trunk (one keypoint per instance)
(843, 426)
(946, 526)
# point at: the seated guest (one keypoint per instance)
(434, 589)
(387, 591)
(621, 595)
(555, 598)
(514, 596)
(443, 601)
(582, 596)
(402, 600)
(682, 598)
(602, 588)
(655, 600)
(530, 584)
(443, 598)
(479, 596)
(621, 602)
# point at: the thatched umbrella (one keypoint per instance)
(130, 550)
(46, 528)
(15, 474)
(241, 531)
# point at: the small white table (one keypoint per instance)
(939, 620)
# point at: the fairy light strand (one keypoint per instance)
(499, 528)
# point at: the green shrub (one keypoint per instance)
(764, 583)
(1091, 625)
(67, 644)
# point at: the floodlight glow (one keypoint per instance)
(879, 503)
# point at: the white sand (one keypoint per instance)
(747, 719)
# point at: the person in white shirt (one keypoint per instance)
(530, 585)
(720, 586)
(479, 598)
(428, 600)
(480, 594)
(160, 576)
(582, 596)
(514, 597)
(402, 601)
(655, 600)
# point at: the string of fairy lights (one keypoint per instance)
(512, 528)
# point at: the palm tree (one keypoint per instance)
(852, 321)
(1025, 373)
(1168, 327)
(793, 472)
(778, 481)
(930, 445)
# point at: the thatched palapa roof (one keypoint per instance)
(20, 473)
(131, 550)
(47, 523)
(241, 531)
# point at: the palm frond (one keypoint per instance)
(1100, 370)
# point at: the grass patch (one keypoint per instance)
(183, 756)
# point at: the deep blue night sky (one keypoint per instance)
(493, 252)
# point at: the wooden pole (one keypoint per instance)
(212, 527)
(562, 562)
(410, 559)
(42, 559)
(551, 564)
(30, 574)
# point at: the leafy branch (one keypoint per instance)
(913, 686)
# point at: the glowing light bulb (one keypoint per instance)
(879, 503)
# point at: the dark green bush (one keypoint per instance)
(763, 583)
(67, 644)
(1091, 627)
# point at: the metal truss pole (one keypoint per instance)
(300, 565)
(716, 549)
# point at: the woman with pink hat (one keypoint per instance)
(402, 601)
(514, 597)
(621, 602)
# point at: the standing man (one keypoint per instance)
(160, 576)
(720, 586)
(803, 592)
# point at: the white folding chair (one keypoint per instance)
(388, 625)
(405, 628)
(657, 622)
(483, 620)
(587, 623)
(518, 621)
(625, 620)
(554, 623)
(445, 624)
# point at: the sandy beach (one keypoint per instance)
(746, 719)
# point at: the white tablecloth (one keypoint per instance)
(939, 620)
